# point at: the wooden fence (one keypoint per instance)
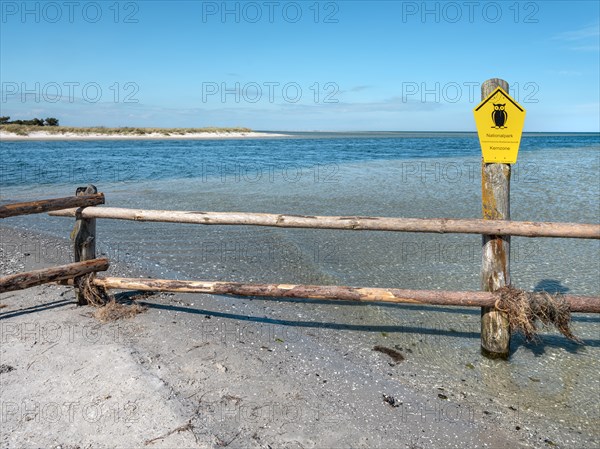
(483, 299)
(83, 209)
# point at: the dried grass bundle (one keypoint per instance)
(524, 309)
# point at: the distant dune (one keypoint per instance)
(26, 132)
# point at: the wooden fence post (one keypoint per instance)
(84, 238)
(495, 196)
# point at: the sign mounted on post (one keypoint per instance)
(499, 121)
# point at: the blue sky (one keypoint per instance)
(346, 65)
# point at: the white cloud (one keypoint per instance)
(588, 32)
(585, 39)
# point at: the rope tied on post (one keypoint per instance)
(524, 309)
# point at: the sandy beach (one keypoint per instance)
(44, 135)
(208, 371)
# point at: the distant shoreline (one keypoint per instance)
(44, 135)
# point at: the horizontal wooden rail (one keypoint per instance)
(588, 304)
(41, 206)
(21, 281)
(434, 225)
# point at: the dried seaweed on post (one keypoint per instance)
(524, 309)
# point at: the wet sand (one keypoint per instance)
(209, 371)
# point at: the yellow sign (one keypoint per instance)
(499, 121)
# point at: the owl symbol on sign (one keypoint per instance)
(499, 116)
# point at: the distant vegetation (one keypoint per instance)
(50, 121)
(25, 127)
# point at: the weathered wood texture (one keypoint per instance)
(41, 206)
(326, 292)
(21, 281)
(432, 225)
(84, 237)
(495, 270)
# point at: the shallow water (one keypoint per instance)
(557, 178)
